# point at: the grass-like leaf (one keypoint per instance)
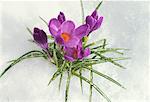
(25, 56)
(89, 45)
(81, 84)
(94, 85)
(82, 11)
(55, 75)
(32, 41)
(113, 50)
(28, 29)
(43, 20)
(109, 60)
(60, 80)
(105, 76)
(32, 55)
(99, 5)
(55, 57)
(91, 79)
(90, 62)
(101, 44)
(67, 86)
(120, 58)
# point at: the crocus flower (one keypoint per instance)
(65, 34)
(72, 54)
(94, 21)
(41, 38)
(55, 23)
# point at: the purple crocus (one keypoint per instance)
(65, 34)
(55, 23)
(72, 54)
(94, 21)
(41, 38)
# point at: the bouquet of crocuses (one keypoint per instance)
(69, 51)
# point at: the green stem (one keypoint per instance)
(61, 75)
(100, 3)
(93, 85)
(29, 30)
(43, 20)
(81, 84)
(18, 60)
(82, 11)
(67, 86)
(105, 76)
(91, 79)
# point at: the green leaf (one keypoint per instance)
(32, 41)
(81, 84)
(91, 79)
(29, 30)
(99, 60)
(105, 76)
(60, 80)
(104, 43)
(55, 75)
(90, 62)
(89, 45)
(82, 11)
(32, 55)
(43, 20)
(120, 58)
(67, 87)
(25, 56)
(109, 60)
(99, 5)
(50, 37)
(115, 50)
(55, 57)
(101, 43)
(94, 86)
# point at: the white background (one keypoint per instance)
(125, 25)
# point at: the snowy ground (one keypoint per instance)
(125, 25)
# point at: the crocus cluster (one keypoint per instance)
(68, 36)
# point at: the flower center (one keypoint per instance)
(75, 54)
(65, 36)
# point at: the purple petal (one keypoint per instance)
(36, 30)
(54, 26)
(73, 42)
(80, 44)
(71, 59)
(80, 54)
(94, 14)
(87, 52)
(98, 23)
(67, 27)
(61, 17)
(91, 21)
(40, 37)
(69, 51)
(59, 40)
(81, 31)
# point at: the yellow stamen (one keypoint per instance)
(65, 36)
